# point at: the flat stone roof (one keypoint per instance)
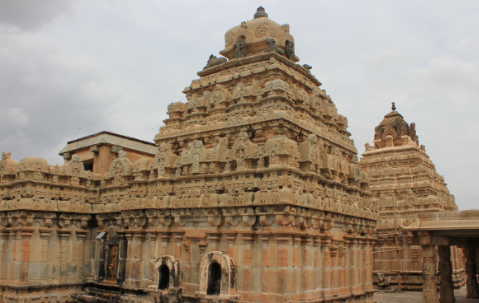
(449, 223)
(112, 139)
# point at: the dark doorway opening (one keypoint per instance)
(214, 279)
(88, 165)
(164, 277)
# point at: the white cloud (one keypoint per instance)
(48, 95)
(17, 117)
(387, 57)
(31, 14)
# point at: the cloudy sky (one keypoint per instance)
(73, 68)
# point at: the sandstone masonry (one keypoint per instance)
(405, 185)
(254, 195)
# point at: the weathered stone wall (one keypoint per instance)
(404, 184)
(255, 194)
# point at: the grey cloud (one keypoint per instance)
(31, 14)
(46, 96)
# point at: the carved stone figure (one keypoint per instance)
(239, 49)
(307, 67)
(272, 47)
(213, 60)
(382, 280)
(289, 50)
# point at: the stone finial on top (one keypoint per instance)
(260, 13)
(394, 106)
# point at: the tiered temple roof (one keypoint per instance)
(255, 195)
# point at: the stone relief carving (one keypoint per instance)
(120, 168)
(213, 60)
(272, 47)
(239, 48)
(289, 50)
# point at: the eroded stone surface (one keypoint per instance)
(255, 194)
(403, 177)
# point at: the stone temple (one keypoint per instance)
(254, 194)
(405, 185)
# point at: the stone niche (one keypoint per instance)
(255, 195)
(405, 184)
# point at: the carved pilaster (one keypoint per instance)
(446, 287)
(230, 237)
(3, 253)
(81, 235)
(26, 235)
(178, 236)
(152, 236)
(429, 273)
(326, 268)
(101, 257)
(165, 241)
(13, 257)
(64, 236)
(472, 286)
(122, 256)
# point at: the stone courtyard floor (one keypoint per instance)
(416, 297)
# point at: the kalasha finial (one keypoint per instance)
(260, 13)
(394, 106)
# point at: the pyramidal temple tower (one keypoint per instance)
(405, 184)
(254, 194)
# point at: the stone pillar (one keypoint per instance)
(45, 269)
(153, 236)
(81, 235)
(13, 271)
(307, 267)
(371, 264)
(150, 266)
(334, 272)
(101, 258)
(64, 236)
(296, 280)
(391, 260)
(178, 238)
(354, 265)
(446, 288)
(278, 281)
(317, 265)
(25, 251)
(348, 245)
(264, 237)
(122, 256)
(383, 259)
(472, 287)
(136, 262)
(326, 269)
(230, 237)
(429, 274)
(165, 241)
(362, 263)
(244, 268)
(3, 253)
